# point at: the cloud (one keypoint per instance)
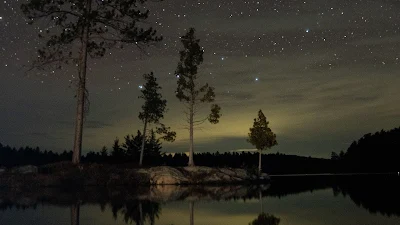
(90, 124)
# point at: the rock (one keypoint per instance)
(28, 169)
(166, 175)
(201, 174)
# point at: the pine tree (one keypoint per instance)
(261, 136)
(153, 111)
(104, 154)
(81, 28)
(153, 145)
(118, 154)
(188, 92)
(132, 146)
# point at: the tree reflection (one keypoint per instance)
(75, 210)
(137, 212)
(191, 212)
(266, 219)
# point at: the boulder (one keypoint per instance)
(166, 175)
(28, 169)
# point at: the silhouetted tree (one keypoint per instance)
(104, 154)
(261, 136)
(132, 146)
(153, 111)
(334, 156)
(118, 153)
(188, 91)
(78, 28)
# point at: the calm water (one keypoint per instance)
(289, 201)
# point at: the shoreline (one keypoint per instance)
(67, 175)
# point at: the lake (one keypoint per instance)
(345, 200)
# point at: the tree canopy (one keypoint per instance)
(78, 29)
(261, 136)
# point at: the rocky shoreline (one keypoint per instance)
(67, 175)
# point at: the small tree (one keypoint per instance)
(118, 154)
(153, 111)
(261, 136)
(188, 91)
(132, 146)
(77, 29)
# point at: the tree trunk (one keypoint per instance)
(143, 143)
(259, 163)
(191, 152)
(75, 208)
(76, 155)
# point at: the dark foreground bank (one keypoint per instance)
(67, 175)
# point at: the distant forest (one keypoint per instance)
(379, 152)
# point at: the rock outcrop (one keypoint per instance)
(198, 175)
(28, 169)
(71, 176)
(166, 175)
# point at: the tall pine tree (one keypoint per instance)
(77, 29)
(261, 136)
(188, 91)
(153, 111)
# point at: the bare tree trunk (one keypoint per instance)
(191, 213)
(259, 163)
(191, 152)
(143, 142)
(76, 155)
(75, 208)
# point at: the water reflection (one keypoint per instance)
(377, 194)
(266, 219)
(75, 211)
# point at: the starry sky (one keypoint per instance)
(324, 72)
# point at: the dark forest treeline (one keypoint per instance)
(127, 153)
(274, 163)
(378, 152)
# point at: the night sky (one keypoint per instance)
(324, 72)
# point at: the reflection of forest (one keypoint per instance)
(137, 212)
(377, 194)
